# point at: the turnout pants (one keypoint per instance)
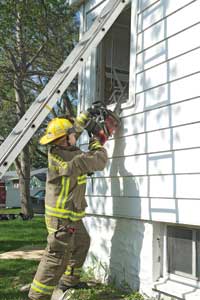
(67, 247)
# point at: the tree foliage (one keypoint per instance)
(36, 36)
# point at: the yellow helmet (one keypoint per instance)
(56, 129)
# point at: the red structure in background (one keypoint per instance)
(2, 194)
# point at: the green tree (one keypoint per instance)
(36, 36)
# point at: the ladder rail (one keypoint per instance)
(39, 109)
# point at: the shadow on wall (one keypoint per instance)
(126, 243)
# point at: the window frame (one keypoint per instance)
(101, 66)
(195, 262)
(86, 100)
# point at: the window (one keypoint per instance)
(40, 194)
(184, 251)
(15, 183)
(113, 57)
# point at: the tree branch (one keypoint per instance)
(41, 153)
(35, 56)
(12, 57)
(33, 85)
(6, 69)
(18, 167)
(34, 148)
(61, 108)
(68, 105)
(9, 100)
(40, 73)
(54, 113)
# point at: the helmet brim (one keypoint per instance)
(46, 140)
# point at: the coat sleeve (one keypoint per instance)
(81, 164)
(86, 163)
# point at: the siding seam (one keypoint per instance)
(143, 197)
(165, 17)
(166, 38)
(168, 81)
(147, 7)
(168, 60)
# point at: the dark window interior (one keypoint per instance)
(113, 56)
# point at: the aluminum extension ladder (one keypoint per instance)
(38, 111)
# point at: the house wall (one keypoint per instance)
(13, 196)
(153, 173)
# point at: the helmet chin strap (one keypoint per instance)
(67, 140)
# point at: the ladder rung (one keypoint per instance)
(84, 42)
(106, 10)
(17, 132)
(40, 100)
(64, 69)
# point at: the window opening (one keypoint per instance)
(113, 57)
(184, 252)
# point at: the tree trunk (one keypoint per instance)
(23, 171)
(23, 163)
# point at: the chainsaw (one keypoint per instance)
(103, 122)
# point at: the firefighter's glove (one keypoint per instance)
(82, 119)
(93, 111)
(80, 123)
(94, 144)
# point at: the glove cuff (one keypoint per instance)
(82, 119)
(95, 145)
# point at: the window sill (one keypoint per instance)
(176, 287)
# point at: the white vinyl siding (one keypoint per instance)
(152, 177)
(168, 73)
(153, 171)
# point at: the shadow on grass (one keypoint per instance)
(13, 245)
(13, 275)
(18, 233)
(17, 272)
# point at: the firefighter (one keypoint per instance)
(68, 240)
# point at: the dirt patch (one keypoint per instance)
(28, 252)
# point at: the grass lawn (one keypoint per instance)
(10, 210)
(104, 292)
(18, 233)
(16, 273)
